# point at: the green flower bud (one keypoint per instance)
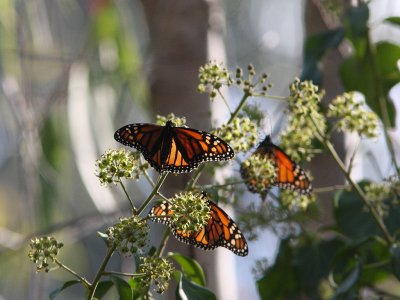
(116, 164)
(129, 233)
(158, 271)
(178, 122)
(44, 251)
(194, 220)
(241, 134)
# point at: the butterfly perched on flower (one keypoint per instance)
(287, 174)
(173, 149)
(220, 229)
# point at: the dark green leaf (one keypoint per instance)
(349, 282)
(102, 288)
(67, 284)
(190, 268)
(123, 288)
(393, 20)
(315, 48)
(188, 290)
(279, 281)
(355, 222)
(312, 262)
(358, 74)
(356, 24)
(395, 252)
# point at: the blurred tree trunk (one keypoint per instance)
(178, 33)
(324, 168)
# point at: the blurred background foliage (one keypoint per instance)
(74, 71)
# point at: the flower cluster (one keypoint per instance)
(116, 164)
(178, 122)
(376, 194)
(44, 251)
(354, 115)
(156, 270)
(241, 134)
(212, 77)
(294, 200)
(304, 118)
(394, 183)
(191, 211)
(250, 85)
(129, 235)
(259, 173)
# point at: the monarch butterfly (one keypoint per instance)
(220, 230)
(289, 174)
(173, 149)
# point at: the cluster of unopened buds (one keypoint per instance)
(157, 271)
(354, 115)
(129, 235)
(116, 164)
(43, 252)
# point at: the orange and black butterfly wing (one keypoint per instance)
(149, 139)
(289, 174)
(173, 149)
(220, 230)
(190, 147)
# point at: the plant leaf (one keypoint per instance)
(123, 288)
(393, 20)
(102, 288)
(315, 48)
(348, 282)
(66, 284)
(188, 290)
(190, 268)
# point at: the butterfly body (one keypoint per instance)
(173, 149)
(289, 174)
(220, 230)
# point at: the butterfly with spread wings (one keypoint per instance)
(220, 230)
(289, 174)
(173, 149)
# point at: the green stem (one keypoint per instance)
(146, 174)
(355, 186)
(153, 193)
(81, 279)
(380, 96)
(137, 275)
(378, 264)
(331, 188)
(162, 196)
(100, 271)
(129, 198)
(224, 185)
(280, 98)
(239, 108)
(195, 177)
(163, 243)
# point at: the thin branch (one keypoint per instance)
(331, 188)
(153, 193)
(129, 198)
(225, 101)
(163, 243)
(136, 275)
(146, 174)
(100, 271)
(353, 156)
(355, 186)
(81, 279)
